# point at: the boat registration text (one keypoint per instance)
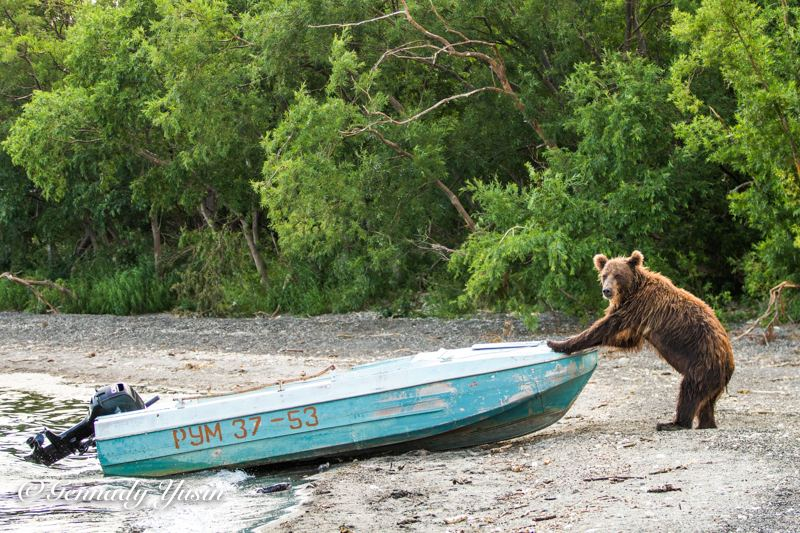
(242, 428)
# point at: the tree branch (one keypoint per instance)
(389, 120)
(650, 14)
(450, 194)
(494, 62)
(457, 204)
(150, 156)
(359, 23)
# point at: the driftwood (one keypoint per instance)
(669, 487)
(32, 284)
(775, 309)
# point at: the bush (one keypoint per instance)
(14, 297)
(99, 288)
(129, 291)
(218, 278)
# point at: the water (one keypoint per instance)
(73, 494)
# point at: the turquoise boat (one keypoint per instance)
(435, 400)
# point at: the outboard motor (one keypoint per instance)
(108, 400)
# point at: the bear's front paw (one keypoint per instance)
(559, 346)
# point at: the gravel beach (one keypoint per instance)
(602, 467)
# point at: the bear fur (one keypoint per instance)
(646, 306)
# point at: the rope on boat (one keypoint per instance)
(279, 383)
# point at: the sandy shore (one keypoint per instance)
(600, 468)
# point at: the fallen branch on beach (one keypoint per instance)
(669, 487)
(31, 285)
(775, 309)
(612, 479)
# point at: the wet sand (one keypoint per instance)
(602, 467)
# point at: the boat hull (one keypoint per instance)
(556, 397)
(464, 410)
(559, 390)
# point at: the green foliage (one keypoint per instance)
(234, 158)
(753, 49)
(127, 291)
(216, 277)
(334, 200)
(626, 185)
(33, 134)
(530, 319)
(14, 297)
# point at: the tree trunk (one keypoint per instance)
(251, 244)
(207, 216)
(208, 208)
(155, 227)
(458, 205)
(92, 239)
(255, 226)
(633, 27)
(629, 24)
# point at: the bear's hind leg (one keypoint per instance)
(688, 404)
(715, 379)
(705, 420)
(706, 414)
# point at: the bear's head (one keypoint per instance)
(618, 276)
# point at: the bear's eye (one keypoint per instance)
(605, 276)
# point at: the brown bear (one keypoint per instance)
(644, 305)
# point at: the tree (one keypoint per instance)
(751, 129)
(627, 181)
(32, 58)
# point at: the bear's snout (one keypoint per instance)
(607, 293)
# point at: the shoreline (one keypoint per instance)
(595, 468)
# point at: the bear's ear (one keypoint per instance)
(636, 259)
(600, 261)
